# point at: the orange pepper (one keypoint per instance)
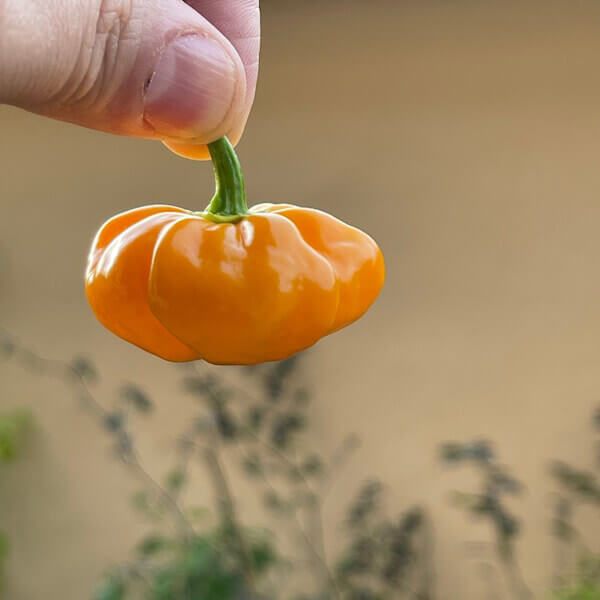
(230, 285)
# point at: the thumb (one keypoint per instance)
(147, 68)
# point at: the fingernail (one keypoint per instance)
(192, 88)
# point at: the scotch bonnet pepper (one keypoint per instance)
(230, 285)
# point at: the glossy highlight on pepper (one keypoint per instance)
(230, 285)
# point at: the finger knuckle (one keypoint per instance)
(106, 55)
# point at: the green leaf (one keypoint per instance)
(263, 555)
(275, 503)
(366, 503)
(140, 500)
(582, 591)
(114, 421)
(4, 547)
(201, 385)
(13, 427)
(255, 418)
(197, 513)
(152, 544)
(465, 500)
(147, 506)
(110, 588)
(252, 464)
(479, 451)
(83, 367)
(176, 479)
(313, 465)
(285, 427)
(583, 483)
(135, 396)
(452, 452)
(225, 422)
(198, 573)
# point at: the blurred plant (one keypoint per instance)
(14, 426)
(584, 585)
(582, 591)
(257, 426)
(383, 556)
(577, 488)
(194, 553)
(490, 504)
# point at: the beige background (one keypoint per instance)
(465, 137)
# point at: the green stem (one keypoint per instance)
(229, 202)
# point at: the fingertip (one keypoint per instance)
(197, 151)
(196, 89)
(191, 151)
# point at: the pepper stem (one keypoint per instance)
(229, 202)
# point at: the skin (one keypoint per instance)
(110, 65)
(261, 289)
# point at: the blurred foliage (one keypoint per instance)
(14, 427)
(585, 584)
(254, 421)
(381, 554)
(585, 485)
(491, 503)
(262, 423)
(583, 591)
(112, 587)
(170, 568)
(576, 487)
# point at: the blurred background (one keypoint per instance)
(465, 138)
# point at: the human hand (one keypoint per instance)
(182, 72)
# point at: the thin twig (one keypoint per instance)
(68, 374)
(319, 559)
(341, 456)
(132, 460)
(228, 513)
(316, 504)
